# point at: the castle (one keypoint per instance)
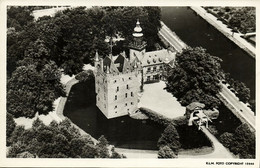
(118, 80)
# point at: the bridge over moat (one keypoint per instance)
(237, 107)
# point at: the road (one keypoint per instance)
(172, 38)
(239, 106)
(219, 150)
(230, 97)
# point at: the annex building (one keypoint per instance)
(119, 79)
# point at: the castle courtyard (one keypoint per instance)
(156, 98)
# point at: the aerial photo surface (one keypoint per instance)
(131, 82)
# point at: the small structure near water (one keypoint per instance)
(196, 115)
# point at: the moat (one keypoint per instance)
(195, 31)
(123, 132)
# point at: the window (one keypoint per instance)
(98, 99)
(154, 68)
(160, 66)
(127, 87)
(114, 81)
(132, 94)
(130, 78)
(115, 111)
(115, 97)
(126, 104)
(148, 78)
(115, 107)
(148, 69)
(126, 95)
(104, 97)
(132, 103)
(105, 105)
(117, 88)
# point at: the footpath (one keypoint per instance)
(236, 37)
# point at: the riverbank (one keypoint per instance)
(242, 43)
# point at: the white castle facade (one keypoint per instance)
(118, 80)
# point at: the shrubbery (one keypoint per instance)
(241, 142)
(58, 140)
(84, 76)
(155, 117)
(240, 89)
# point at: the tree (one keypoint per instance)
(243, 92)
(170, 138)
(28, 93)
(195, 77)
(241, 142)
(166, 152)
(244, 143)
(102, 147)
(18, 17)
(227, 139)
(89, 151)
(25, 155)
(114, 154)
(10, 126)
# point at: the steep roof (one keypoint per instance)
(122, 64)
(109, 66)
(193, 105)
(157, 57)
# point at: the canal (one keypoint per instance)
(195, 31)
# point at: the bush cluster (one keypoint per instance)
(241, 142)
(57, 140)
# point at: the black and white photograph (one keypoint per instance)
(166, 83)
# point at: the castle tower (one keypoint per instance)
(117, 85)
(137, 46)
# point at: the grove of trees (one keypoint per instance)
(195, 77)
(241, 142)
(57, 140)
(38, 51)
(241, 19)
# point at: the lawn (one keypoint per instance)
(154, 97)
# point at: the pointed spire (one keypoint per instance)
(96, 56)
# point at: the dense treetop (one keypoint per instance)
(241, 19)
(74, 35)
(195, 77)
(58, 140)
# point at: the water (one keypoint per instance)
(123, 132)
(195, 31)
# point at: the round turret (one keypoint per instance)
(138, 30)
